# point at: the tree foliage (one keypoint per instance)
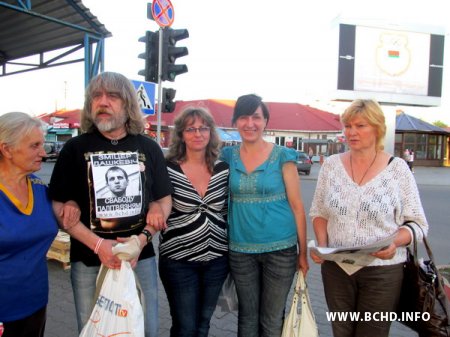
(440, 124)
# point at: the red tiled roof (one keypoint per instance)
(298, 117)
(283, 116)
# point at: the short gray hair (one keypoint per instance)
(118, 83)
(14, 126)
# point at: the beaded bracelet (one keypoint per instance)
(97, 245)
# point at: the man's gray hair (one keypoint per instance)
(119, 84)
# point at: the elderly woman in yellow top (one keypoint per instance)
(363, 196)
(27, 227)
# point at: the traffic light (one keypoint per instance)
(170, 53)
(150, 56)
(167, 103)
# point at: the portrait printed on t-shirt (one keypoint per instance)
(117, 188)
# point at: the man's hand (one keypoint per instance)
(71, 214)
(107, 256)
(128, 249)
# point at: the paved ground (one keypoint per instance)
(61, 311)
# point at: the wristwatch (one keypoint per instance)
(148, 235)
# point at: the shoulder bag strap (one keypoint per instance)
(425, 241)
(414, 241)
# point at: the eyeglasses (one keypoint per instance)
(202, 130)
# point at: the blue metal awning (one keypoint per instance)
(60, 131)
(236, 137)
(223, 135)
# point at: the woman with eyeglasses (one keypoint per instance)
(193, 252)
(267, 236)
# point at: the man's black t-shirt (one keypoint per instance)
(79, 175)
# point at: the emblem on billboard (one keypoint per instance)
(393, 55)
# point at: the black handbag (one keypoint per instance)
(423, 305)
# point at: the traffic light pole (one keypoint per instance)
(159, 111)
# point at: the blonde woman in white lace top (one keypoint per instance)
(363, 196)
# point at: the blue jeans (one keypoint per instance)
(83, 284)
(263, 282)
(192, 290)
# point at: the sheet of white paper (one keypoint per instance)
(359, 256)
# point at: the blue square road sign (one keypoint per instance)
(145, 92)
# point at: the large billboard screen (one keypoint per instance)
(395, 66)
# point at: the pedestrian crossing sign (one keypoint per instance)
(145, 92)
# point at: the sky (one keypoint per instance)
(284, 51)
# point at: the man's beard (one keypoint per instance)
(115, 122)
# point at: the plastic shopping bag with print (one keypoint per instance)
(118, 310)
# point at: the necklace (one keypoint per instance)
(115, 141)
(364, 175)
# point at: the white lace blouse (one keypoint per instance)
(359, 215)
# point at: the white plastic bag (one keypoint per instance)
(228, 300)
(117, 310)
(302, 324)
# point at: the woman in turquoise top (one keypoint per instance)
(267, 220)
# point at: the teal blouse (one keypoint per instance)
(260, 218)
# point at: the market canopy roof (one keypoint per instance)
(235, 136)
(223, 135)
(229, 135)
(35, 27)
(409, 123)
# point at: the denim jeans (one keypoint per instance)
(192, 290)
(371, 289)
(83, 284)
(262, 283)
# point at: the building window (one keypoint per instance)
(410, 138)
(425, 146)
(434, 147)
(398, 147)
(410, 143)
(280, 141)
(439, 151)
(297, 143)
(420, 151)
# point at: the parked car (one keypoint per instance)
(303, 163)
(52, 149)
(316, 158)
